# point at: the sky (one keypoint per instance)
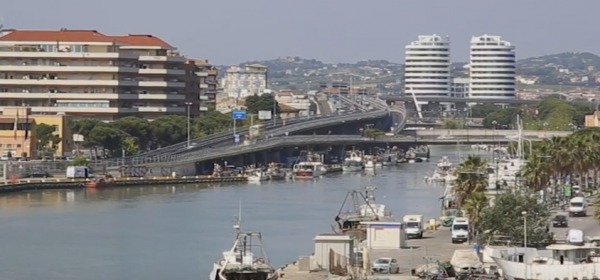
(228, 32)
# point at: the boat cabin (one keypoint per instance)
(572, 254)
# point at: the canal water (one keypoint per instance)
(154, 233)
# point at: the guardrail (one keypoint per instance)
(227, 135)
(280, 131)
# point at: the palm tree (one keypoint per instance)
(473, 207)
(471, 178)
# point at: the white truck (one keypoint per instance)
(413, 226)
(460, 230)
(78, 172)
(578, 206)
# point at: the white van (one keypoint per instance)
(78, 172)
(460, 230)
(413, 226)
(578, 207)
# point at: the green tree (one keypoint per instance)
(501, 118)
(109, 138)
(263, 102)
(505, 218)
(46, 140)
(482, 110)
(373, 133)
(138, 128)
(210, 123)
(169, 130)
(470, 179)
(80, 161)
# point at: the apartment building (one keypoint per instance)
(427, 66)
(84, 73)
(492, 68)
(243, 81)
(206, 80)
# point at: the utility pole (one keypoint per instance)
(188, 104)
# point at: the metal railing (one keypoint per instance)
(226, 138)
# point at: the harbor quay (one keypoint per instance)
(435, 247)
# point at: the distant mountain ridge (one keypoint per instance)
(569, 68)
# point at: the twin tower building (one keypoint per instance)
(491, 69)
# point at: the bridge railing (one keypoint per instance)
(306, 124)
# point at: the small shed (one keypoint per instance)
(333, 250)
(385, 235)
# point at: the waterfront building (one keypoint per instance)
(460, 87)
(243, 81)
(491, 68)
(205, 80)
(17, 132)
(85, 73)
(427, 66)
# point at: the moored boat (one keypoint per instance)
(246, 260)
(354, 162)
(102, 182)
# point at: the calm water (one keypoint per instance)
(154, 233)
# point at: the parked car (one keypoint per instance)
(560, 221)
(386, 265)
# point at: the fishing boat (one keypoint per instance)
(308, 170)
(354, 162)
(102, 182)
(348, 221)
(257, 175)
(390, 157)
(247, 259)
(371, 162)
(275, 172)
(444, 164)
(573, 260)
(420, 152)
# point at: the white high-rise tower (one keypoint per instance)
(492, 68)
(427, 66)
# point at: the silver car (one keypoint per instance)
(386, 265)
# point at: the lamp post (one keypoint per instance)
(524, 213)
(494, 124)
(188, 104)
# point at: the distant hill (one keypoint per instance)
(569, 68)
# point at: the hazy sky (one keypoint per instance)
(230, 32)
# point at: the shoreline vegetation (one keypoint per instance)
(552, 166)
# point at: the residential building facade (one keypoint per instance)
(205, 76)
(492, 68)
(84, 73)
(427, 66)
(243, 81)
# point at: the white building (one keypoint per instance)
(241, 82)
(427, 66)
(492, 68)
(460, 87)
(85, 73)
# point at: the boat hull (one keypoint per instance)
(351, 168)
(516, 271)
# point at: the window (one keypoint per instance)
(18, 145)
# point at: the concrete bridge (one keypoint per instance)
(486, 133)
(281, 149)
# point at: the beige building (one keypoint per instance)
(84, 73)
(243, 81)
(206, 80)
(592, 120)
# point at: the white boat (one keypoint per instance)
(444, 163)
(348, 221)
(559, 261)
(308, 170)
(257, 176)
(353, 162)
(371, 162)
(247, 259)
(390, 159)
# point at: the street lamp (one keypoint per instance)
(524, 213)
(188, 104)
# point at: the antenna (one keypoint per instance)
(238, 221)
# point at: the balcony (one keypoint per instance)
(59, 82)
(161, 84)
(81, 110)
(168, 110)
(201, 74)
(162, 71)
(203, 86)
(65, 68)
(162, 58)
(74, 55)
(90, 96)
